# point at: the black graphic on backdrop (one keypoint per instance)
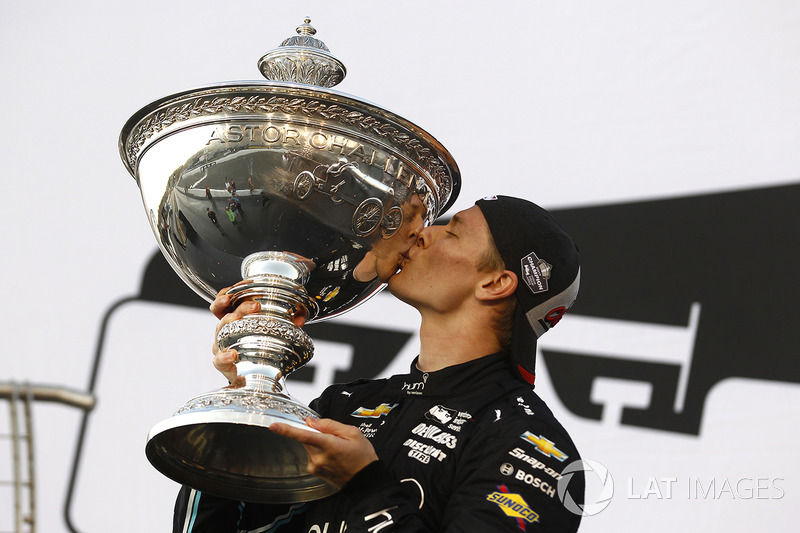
(733, 253)
(645, 262)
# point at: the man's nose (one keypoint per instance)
(424, 237)
(414, 230)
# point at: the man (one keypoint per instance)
(461, 443)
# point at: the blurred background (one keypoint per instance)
(664, 135)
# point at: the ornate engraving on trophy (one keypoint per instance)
(305, 108)
(265, 326)
(308, 70)
(249, 403)
(255, 133)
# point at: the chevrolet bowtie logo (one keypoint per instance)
(544, 446)
(382, 409)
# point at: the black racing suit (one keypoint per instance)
(467, 448)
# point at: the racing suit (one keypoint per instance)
(466, 448)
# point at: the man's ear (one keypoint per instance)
(497, 285)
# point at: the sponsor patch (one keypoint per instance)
(514, 506)
(507, 469)
(544, 446)
(367, 429)
(450, 418)
(427, 431)
(416, 388)
(519, 453)
(381, 410)
(535, 273)
(525, 407)
(443, 415)
(535, 482)
(424, 452)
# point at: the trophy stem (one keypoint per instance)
(218, 442)
(269, 343)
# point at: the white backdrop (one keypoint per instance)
(569, 104)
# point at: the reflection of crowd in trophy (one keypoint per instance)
(233, 209)
(374, 205)
(384, 219)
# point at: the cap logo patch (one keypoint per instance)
(535, 273)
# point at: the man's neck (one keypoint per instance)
(447, 340)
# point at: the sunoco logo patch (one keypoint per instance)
(513, 505)
(535, 273)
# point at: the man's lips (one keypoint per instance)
(403, 260)
(405, 257)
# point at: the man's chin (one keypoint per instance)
(391, 279)
(392, 287)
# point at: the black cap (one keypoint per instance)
(545, 259)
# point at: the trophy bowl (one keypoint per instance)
(287, 191)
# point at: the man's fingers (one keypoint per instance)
(332, 427)
(225, 362)
(303, 436)
(244, 309)
(326, 429)
(222, 301)
(221, 304)
(336, 451)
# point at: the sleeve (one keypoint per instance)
(500, 485)
(381, 503)
(515, 480)
(196, 512)
(199, 512)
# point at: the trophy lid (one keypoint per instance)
(303, 59)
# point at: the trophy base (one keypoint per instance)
(219, 443)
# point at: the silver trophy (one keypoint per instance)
(288, 191)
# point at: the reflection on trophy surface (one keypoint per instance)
(294, 195)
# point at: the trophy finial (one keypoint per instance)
(303, 58)
(306, 28)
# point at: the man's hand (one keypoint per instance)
(337, 453)
(225, 362)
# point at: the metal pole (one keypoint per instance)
(27, 394)
(31, 518)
